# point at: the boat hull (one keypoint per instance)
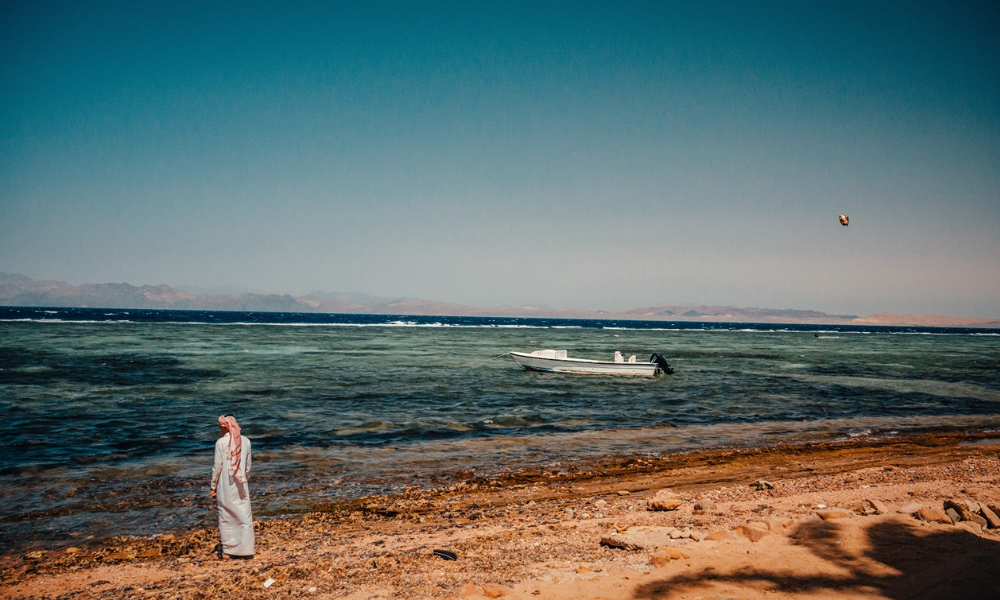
(582, 365)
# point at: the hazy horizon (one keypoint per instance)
(584, 155)
(363, 298)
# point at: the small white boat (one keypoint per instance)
(556, 361)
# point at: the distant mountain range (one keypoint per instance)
(19, 290)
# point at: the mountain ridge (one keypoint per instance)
(20, 290)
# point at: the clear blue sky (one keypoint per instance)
(601, 155)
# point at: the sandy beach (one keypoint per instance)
(855, 519)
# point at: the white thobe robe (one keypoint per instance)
(233, 497)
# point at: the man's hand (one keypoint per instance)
(213, 493)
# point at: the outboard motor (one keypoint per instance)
(662, 364)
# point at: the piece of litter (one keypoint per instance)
(269, 582)
(820, 506)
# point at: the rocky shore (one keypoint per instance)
(897, 518)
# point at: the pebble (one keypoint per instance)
(751, 533)
(975, 528)
(834, 513)
(779, 526)
(492, 590)
(990, 515)
(933, 515)
(665, 499)
(664, 557)
(641, 538)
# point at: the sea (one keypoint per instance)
(108, 417)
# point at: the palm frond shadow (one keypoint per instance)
(900, 563)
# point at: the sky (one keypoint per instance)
(578, 155)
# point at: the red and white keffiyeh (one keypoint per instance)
(235, 446)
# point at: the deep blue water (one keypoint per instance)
(14, 313)
(107, 416)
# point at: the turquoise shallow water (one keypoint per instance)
(108, 419)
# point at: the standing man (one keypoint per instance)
(229, 487)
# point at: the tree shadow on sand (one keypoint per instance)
(899, 563)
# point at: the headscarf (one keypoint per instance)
(235, 446)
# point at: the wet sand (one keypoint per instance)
(829, 520)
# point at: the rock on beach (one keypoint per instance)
(754, 533)
(933, 515)
(665, 499)
(643, 538)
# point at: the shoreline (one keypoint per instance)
(542, 528)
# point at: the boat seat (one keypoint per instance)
(619, 357)
(631, 359)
